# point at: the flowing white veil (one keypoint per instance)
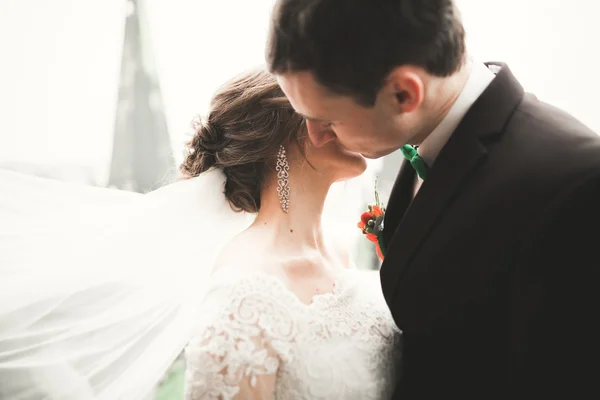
(98, 287)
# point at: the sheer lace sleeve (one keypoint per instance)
(244, 337)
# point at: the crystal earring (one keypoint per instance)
(283, 179)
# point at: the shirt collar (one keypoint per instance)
(479, 79)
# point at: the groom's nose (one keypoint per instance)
(319, 135)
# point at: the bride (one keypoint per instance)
(229, 262)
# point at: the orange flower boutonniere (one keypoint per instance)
(371, 225)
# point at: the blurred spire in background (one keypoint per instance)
(142, 156)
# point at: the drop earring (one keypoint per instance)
(283, 179)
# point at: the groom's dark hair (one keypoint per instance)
(352, 45)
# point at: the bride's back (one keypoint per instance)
(306, 272)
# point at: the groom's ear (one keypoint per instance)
(406, 86)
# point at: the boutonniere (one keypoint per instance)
(371, 225)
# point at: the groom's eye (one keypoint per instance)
(320, 122)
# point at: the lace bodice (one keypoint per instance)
(257, 340)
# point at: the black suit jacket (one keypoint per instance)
(491, 272)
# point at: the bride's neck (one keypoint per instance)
(299, 228)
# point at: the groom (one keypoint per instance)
(493, 250)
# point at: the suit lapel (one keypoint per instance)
(452, 168)
(409, 223)
(400, 197)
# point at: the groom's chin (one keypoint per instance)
(370, 156)
(374, 156)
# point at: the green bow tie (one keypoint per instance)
(411, 154)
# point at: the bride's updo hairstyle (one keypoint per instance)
(249, 119)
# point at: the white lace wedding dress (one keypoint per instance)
(257, 340)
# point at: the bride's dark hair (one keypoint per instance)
(249, 119)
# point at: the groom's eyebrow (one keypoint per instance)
(312, 119)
